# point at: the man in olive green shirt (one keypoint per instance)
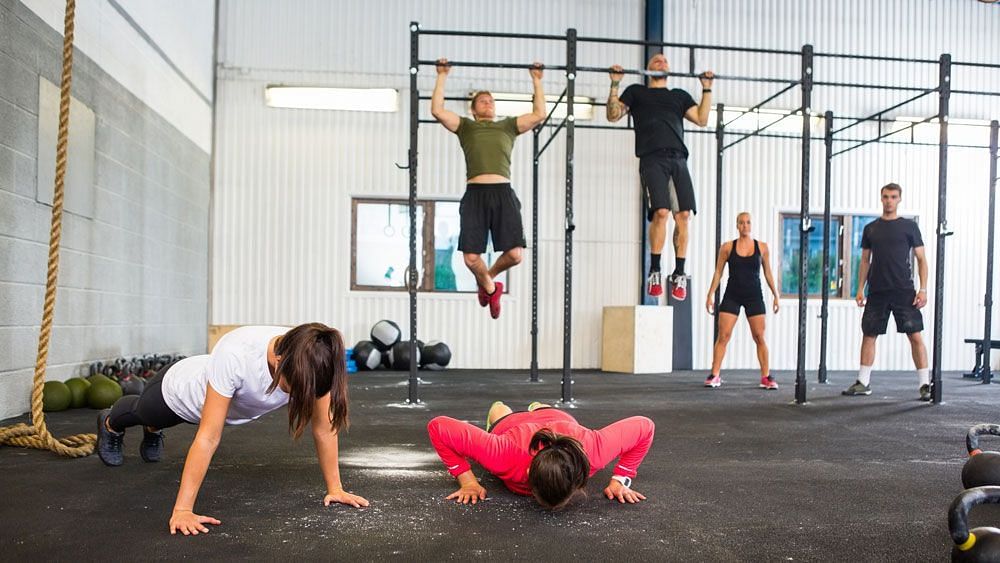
(489, 206)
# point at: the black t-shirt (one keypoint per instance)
(658, 116)
(890, 243)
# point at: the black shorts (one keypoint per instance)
(666, 183)
(900, 303)
(490, 210)
(753, 305)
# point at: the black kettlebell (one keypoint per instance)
(982, 468)
(978, 544)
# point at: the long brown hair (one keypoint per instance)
(313, 364)
(559, 469)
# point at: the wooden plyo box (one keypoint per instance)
(215, 332)
(637, 339)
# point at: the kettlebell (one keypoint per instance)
(978, 544)
(982, 468)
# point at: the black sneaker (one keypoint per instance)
(925, 392)
(857, 388)
(151, 448)
(109, 443)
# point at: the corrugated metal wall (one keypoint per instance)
(285, 178)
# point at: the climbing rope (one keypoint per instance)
(36, 435)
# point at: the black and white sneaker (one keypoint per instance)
(925, 392)
(857, 388)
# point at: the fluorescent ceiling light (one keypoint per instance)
(512, 105)
(346, 99)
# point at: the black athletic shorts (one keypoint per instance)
(666, 183)
(900, 303)
(490, 210)
(753, 305)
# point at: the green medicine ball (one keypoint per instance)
(56, 396)
(78, 387)
(103, 393)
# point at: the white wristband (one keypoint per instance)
(625, 481)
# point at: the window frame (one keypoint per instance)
(846, 234)
(842, 257)
(425, 284)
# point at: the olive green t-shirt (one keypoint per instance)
(487, 145)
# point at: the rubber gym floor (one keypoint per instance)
(734, 474)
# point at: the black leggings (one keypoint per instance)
(148, 409)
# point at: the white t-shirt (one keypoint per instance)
(236, 368)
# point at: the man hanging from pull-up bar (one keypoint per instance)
(658, 114)
(489, 206)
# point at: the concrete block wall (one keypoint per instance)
(133, 273)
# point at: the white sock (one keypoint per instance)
(924, 375)
(865, 375)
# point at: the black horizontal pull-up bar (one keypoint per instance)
(761, 104)
(884, 111)
(975, 93)
(884, 135)
(876, 58)
(490, 34)
(687, 75)
(782, 136)
(686, 46)
(525, 66)
(871, 86)
(977, 65)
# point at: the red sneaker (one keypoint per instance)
(495, 300)
(768, 383)
(679, 289)
(654, 287)
(713, 381)
(484, 298)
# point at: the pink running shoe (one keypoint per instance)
(713, 381)
(768, 383)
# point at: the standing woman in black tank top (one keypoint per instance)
(746, 257)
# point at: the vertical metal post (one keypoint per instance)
(653, 32)
(413, 395)
(534, 254)
(944, 93)
(805, 224)
(720, 143)
(824, 313)
(991, 233)
(567, 372)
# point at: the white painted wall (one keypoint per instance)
(285, 178)
(184, 30)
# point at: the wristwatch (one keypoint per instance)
(625, 481)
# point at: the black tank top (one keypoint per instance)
(744, 272)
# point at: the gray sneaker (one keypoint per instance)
(925, 392)
(857, 389)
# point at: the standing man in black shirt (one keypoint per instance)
(658, 114)
(886, 245)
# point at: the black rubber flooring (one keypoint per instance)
(735, 474)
